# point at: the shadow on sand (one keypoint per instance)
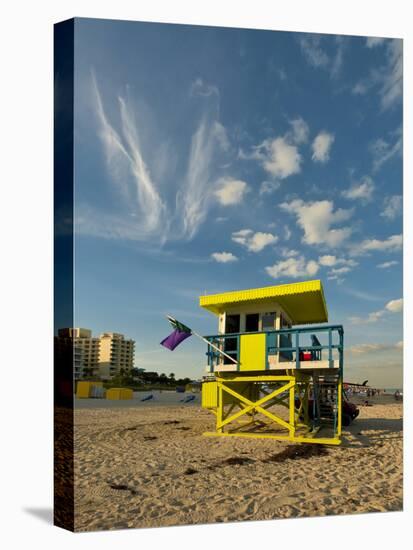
(384, 428)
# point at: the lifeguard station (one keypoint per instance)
(266, 376)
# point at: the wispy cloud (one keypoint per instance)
(362, 190)
(143, 212)
(204, 89)
(312, 47)
(383, 150)
(313, 51)
(393, 243)
(125, 161)
(392, 307)
(386, 265)
(393, 207)
(299, 130)
(362, 295)
(388, 77)
(196, 194)
(373, 348)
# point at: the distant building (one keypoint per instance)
(102, 357)
(85, 351)
(116, 354)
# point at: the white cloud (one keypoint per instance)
(231, 191)
(317, 218)
(386, 265)
(312, 267)
(321, 147)
(363, 190)
(371, 318)
(280, 158)
(393, 207)
(300, 130)
(312, 50)
(292, 267)
(224, 257)
(395, 306)
(383, 151)
(391, 244)
(327, 260)
(288, 253)
(254, 242)
(241, 235)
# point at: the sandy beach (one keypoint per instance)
(150, 466)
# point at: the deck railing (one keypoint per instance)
(287, 343)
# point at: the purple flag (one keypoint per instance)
(174, 339)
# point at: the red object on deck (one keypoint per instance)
(305, 355)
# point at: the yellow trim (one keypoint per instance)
(304, 302)
(248, 405)
(297, 439)
(339, 406)
(251, 405)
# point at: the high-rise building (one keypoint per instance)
(102, 357)
(116, 354)
(85, 351)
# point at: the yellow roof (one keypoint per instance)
(303, 302)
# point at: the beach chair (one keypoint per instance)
(315, 354)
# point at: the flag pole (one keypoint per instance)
(176, 324)
(215, 347)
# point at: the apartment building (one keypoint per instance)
(116, 354)
(85, 351)
(103, 357)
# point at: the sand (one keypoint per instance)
(150, 466)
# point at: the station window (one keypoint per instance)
(252, 322)
(232, 324)
(268, 321)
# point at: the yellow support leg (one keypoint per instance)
(339, 407)
(292, 410)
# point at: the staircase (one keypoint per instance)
(325, 390)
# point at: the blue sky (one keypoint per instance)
(213, 159)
